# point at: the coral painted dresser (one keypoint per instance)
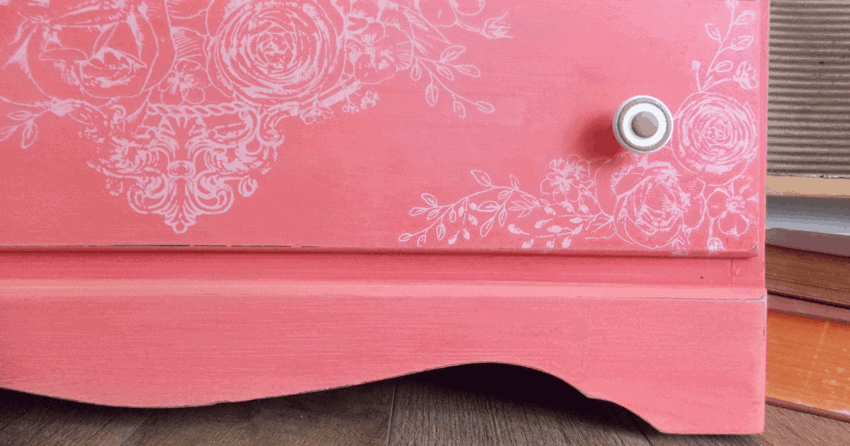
(228, 200)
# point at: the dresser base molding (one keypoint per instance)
(686, 360)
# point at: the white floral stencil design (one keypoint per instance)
(184, 99)
(693, 194)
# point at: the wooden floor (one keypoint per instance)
(469, 405)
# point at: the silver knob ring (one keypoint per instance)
(656, 111)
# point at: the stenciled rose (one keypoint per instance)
(715, 137)
(652, 205)
(90, 50)
(379, 43)
(270, 52)
(569, 182)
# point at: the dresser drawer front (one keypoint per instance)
(381, 126)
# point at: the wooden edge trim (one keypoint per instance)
(807, 308)
(808, 187)
(175, 288)
(809, 241)
(799, 407)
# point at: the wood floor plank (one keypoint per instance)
(14, 406)
(501, 405)
(785, 427)
(657, 438)
(470, 405)
(34, 420)
(350, 416)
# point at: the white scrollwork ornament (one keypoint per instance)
(186, 99)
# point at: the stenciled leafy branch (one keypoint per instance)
(726, 42)
(464, 210)
(444, 69)
(676, 210)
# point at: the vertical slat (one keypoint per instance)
(809, 89)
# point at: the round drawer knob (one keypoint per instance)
(643, 124)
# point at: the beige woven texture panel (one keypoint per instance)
(809, 89)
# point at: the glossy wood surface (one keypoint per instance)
(808, 362)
